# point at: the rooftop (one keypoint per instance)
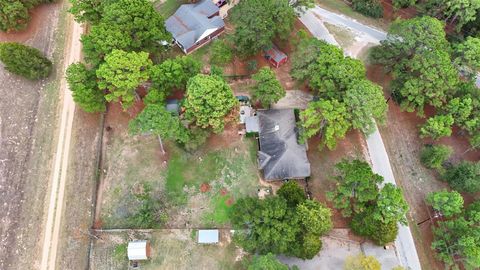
(280, 156)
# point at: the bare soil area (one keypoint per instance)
(27, 123)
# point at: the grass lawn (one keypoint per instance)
(168, 7)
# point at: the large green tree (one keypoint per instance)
(467, 56)
(267, 89)
(365, 102)
(356, 187)
(126, 25)
(174, 73)
(25, 61)
(365, 224)
(208, 100)
(464, 176)
(449, 203)
(122, 73)
(328, 118)
(14, 13)
(457, 242)
(85, 92)
(292, 193)
(437, 127)
(88, 10)
(459, 12)
(266, 262)
(270, 225)
(257, 22)
(391, 205)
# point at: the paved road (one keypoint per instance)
(313, 20)
(58, 180)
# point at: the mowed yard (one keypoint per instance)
(196, 188)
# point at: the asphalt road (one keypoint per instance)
(313, 19)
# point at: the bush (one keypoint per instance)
(221, 53)
(362, 262)
(364, 224)
(434, 156)
(464, 177)
(292, 193)
(371, 8)
(403, 3)
(25, 61)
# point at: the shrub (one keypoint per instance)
(221, 53)
(292, 193)
(464, 177)
(364, 224)
(371, 8)
(403, 3)
(434, 156)
(24, 61)
(362, 262)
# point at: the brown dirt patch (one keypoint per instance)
(229, 202)
(205, 187)
(390, 13)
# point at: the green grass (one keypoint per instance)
(341, 7)
(221, 210)
(169, 7)
(120, 252)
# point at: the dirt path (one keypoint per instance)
(58, 180)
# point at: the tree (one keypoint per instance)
(365, 102)
(437, 127)
(13, 16)
(365, 224)
(356, 187)
(221, 53)
(269, 225)
(174, 73)
(88, 10)
(371, 8)
(302, 5)
(125, 25)
(467, 56)
(472, 213)
(397, 4)
(208, 100)
(314, 218)
(446, 202)
(267, 88)
(459, 11)
(333, 73)
(292, 193)
(266, 262)
(427, 78)
(305, 57)
(457, 241)
(464, 177)
(407, 38)
(257, 22)
(362, 262)
(24, 61)
(434, 156)
(85, 93)
(122, 73)
(328, 118)
(390, 205)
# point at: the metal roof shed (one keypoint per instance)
(138, 250)
(275, 56)
(208, 236)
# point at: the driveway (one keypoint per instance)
(313, 20)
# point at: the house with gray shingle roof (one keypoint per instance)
(281, 156)
(194, 25)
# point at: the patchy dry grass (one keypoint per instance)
(167, 7)
(344, 36)
(229, 172)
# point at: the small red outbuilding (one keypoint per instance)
(275, 56)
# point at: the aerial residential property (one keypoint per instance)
(239, 134)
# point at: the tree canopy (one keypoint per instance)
(208, 100)
(257, 22)
(464, 176)
(447, 203)
(267, 89)
(14, 13)
(434, 156)
(121, 74)
(266, 262)
(459, 12)
(174, 73)
(85, 92)
(362, 262)
(275, 227)
(25, 61)
(130, 25)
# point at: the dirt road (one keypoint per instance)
(59, 174)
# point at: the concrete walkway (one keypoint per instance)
(313, 20)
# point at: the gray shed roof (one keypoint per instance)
(280, 156)
(275, 53)
(190, 21)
